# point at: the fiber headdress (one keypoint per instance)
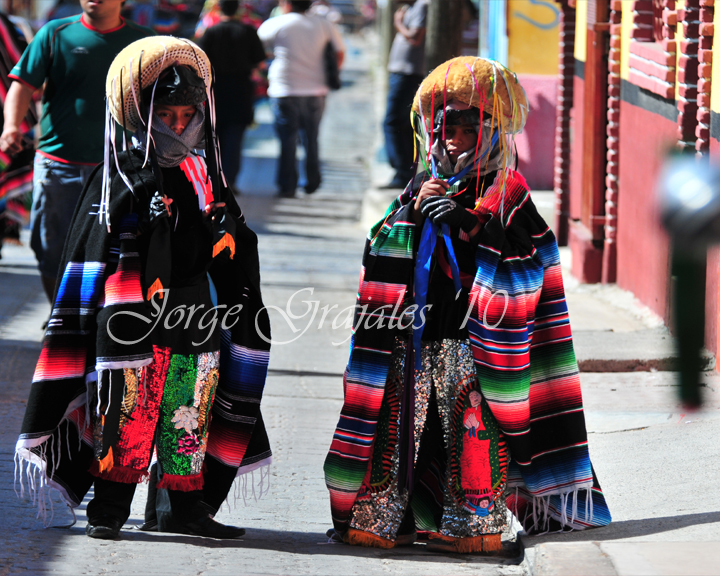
(139, 65)
(477, 82)
(135, 72)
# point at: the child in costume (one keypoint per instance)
(137, 356)
(462, 394)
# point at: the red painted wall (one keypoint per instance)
(642, 244)
(576, 152)
(536, 144)
(712, 281)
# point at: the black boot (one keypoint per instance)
(109, 509)
(190, 515)
(104, 527)
(209, 528)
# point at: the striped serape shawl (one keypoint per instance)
(101, 276)
(524, 359)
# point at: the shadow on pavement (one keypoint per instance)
(630, 528)
(314, 543)
(17, 367)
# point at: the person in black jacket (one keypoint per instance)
(234, 50)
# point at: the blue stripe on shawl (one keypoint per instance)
(243, 369)
(561, 468)
(80, 285)
(362, 427)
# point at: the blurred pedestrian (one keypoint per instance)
(71, 57)
(324, 9)
(298, 87)
(406, 65)
(234, 50)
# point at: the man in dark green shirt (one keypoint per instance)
(71, 57)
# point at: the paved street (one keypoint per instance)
(657, 463)
(309, 246)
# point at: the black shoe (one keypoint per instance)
(286, 193)
(209, 528)
(312, 189)
(149, 526)
(104, 528)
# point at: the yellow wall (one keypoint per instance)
(679, 5)
(533, 35)
(627, 24)
(581, 31)
(715, 94)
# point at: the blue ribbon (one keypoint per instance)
(428, 240)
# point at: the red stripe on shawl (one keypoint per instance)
(228, 444)
(349, 449)
(558, 394)
(511, 417)
(376, 294)
(60, 363)
(515, 188)
(510, 311)
(502, 361)
(362, 401)
(552, 333)
(123, 287)
(553, 283)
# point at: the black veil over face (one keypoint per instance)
(176, 86)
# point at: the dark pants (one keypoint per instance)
(397, 127)
(231, 140)
(115, 498)
(298, 116)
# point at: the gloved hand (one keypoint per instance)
(157, 209)
(443, 210)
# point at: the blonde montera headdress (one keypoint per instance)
(476, 82)
(136, 68)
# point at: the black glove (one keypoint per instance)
(443, 210)
(154, 213)
(157, 209)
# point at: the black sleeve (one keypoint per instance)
(256, 51)
(205, 40)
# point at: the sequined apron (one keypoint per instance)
(166, 405)
(460, 494)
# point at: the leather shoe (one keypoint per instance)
(149, 526)
(209, 528)
(103, 528)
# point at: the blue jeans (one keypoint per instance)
(298, 116)
(56, 189)
(398, 130)
(231, 140)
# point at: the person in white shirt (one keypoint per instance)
(297, 87)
